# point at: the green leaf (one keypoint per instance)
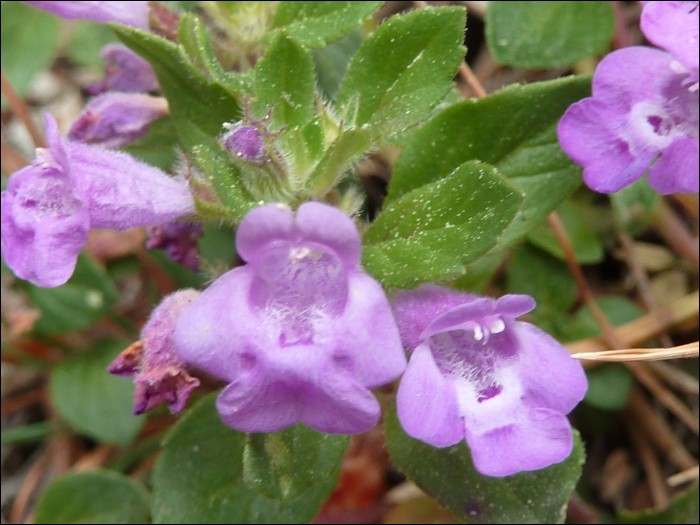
(199, 105)
(635, 206)
(93, 401)
(194, 39)
(450, 477)
(284, 465)
(442, 225)
(515, 130)
(587, 247)
(617, 309)
(534, 272)
(86, 42)
(183, 277)
(199, 477)
(316, 23)
(28, 433)
(609, 386)
(406, 264)
(542, 35)
(404, 69)
(348, 148)
(213, 163)
(96, 496)
(284, 78)
(217, 245)
(332, 61)
(158, 146)
(29, 37)
(682, 509)
(88, 295)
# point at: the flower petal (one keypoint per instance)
(539, 440)
(330, 227)
(366, 339)
(262, 226)
(256, 403)
(45, 222)
(132, 13)
(219, 332)
(673, 26)
(459, 315)
(122, 192)
(585, 136)
(339, 405)
(631, 75)
(676, 170)
(513, 305)
(550, 377)
(426, 402)
(414, 310)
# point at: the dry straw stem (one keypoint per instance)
(641, 354)
(612, 341)
(31, 480)
(642, 282)
(11, 160)
(676, 234)
(646, 327)
(675, 377)
(659, 431)
(650, 463)
(684, 477)
(20, 401)
(20, 109)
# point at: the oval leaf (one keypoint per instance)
(88, 295)
(199, 477)
(449, 476)
(548, 34)
(284, 465)
(91, 400)
(97, 496)
(316, 23)
(452, 220)
(284, 79)
(404, 69)
(513, 129)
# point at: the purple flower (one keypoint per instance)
(131, 13)
(477, 373)
(160, 374)
(49, 206)
(114, 120)
(674, 26)
(245, 142)
(125, 71)
(640, 113)
(179, 240)
(299, 332)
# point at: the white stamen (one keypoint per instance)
(497, 326)
(297, 254)
(478, 333)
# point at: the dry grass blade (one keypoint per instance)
(684, 477)
(646, 327)
(20, 109)
(641, 354)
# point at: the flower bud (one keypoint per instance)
(246, 143)
(114, 120)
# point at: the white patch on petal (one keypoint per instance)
(501, 410)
